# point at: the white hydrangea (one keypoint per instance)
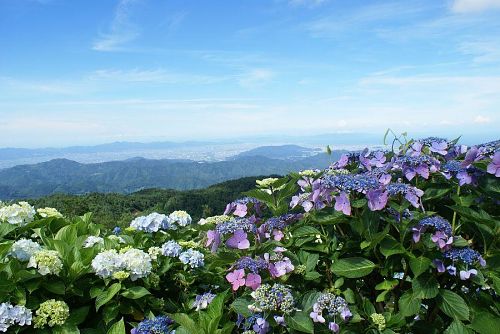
(133, 261)
(137, 262)
(214, 220)
(151, 223)
(49, 212)
(117, 238)
(108, 262)
(91, 241)
(21, 213)
(11, 315)
(154, 252)
(46, 261)
(24, 249)
(181, 218)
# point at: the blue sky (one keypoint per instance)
(86, 72)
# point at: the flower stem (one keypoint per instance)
(455, 213)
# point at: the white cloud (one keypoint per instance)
(479, 119)
(474, 6)
(121, 30)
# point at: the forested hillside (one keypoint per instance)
(119, 209)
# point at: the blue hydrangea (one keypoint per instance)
(465, 255)
(253, 265)
(228, 227)
(351, 182)
(14, 315)
(193, 258)
(202, 301)
(181, 218)
(151, 223)
(436, 222)
(280, 222)
(158, 325)
(117, 230)
(171, 248)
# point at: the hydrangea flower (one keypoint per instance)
(494, 165)
(171, 248)
(378, 320)
(21, 213)
(215, 220)
(154, 252)
(275, 298)
(92, 240)
(108, 262)
(51, 313)
(193, 258)
(334, 306)
(202, 301)
(24, 249)
(46, 261)
(454, 168)
(151, 223)
(241, 206)
(441, 227)
(14, 315)
(181, 218)
(157, 325)
(137, 263)
(49, 212)
(117, 230)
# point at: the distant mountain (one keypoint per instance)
(67, 176)
(285, 152)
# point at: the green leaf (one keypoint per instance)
(117, 328)
(419, 265)
(308, 301)
(240, 306)
(353, 267)
(6, 228)
(381, 296)
(185, 321)
(453, 305)
(425, 287)
(66, 329)
(485, 323)
(387, 284)
(135, 292)
(301, 322)
(107, 295)
(408, 304)
(456, 327)
(56, 287)
(390, 246)
(305, 231)
(78, 316)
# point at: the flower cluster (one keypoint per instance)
(274, 226)
(242, 206)
(46, 261)
(171, 248)
(133, 263)
(443, 235)
(215, 220)
(157, 325)
(24, 249)
(202, 301)
(13, 315)
(181, 218)
(151, 223)
(91, 241)
(193, 258)
(454, 168)
(275, 298)
(378, 320)
(462, 257)
(21, 213)
(49, 212)
(51, 313)
(334, 306)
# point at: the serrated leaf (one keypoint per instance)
(453, 305)
(301, 322)
(390, 246)
(425, 287)
(485, 323)
(117, 328)
(135, 292)
(408, 304)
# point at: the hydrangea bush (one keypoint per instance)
(397, 241)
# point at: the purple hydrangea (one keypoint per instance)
(438, 224)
